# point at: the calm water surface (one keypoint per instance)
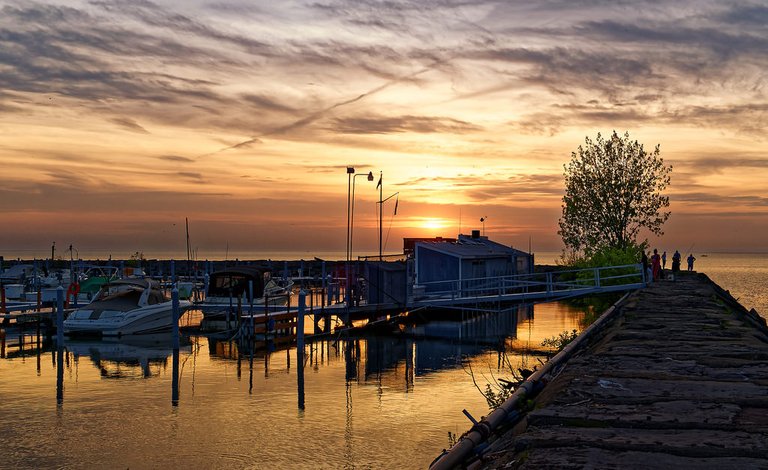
(376, 402)
(744, 275)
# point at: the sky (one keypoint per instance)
(118, 120)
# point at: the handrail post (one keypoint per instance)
(597, 277)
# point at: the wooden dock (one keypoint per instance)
(676, 375)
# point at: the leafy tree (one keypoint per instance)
(613, 188)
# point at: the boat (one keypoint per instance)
(93, 278)
(17, 274)
(124, 307)
(229, 287)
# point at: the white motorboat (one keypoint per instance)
(124, 307)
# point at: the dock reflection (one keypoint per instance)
(127, 358)
(394, 360)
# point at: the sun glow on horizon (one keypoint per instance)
(433, 223)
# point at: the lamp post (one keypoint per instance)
(351, 175)
(350, 172)
(483, 219)
(352, 223)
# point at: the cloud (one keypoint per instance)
(176, 158)
(197, 177)
(717, 164)
(751, 15)
(389, 125)
(728, 201)
(129, 124)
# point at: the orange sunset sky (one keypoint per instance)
(119, 119)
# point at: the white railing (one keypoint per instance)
(545, 284)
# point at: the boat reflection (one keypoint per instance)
(138, 357)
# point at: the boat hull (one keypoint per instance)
(140, 321)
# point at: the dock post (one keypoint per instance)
(175, 378)
(300, 347)
(250, 309)
(175, 317)
(173, 272)
(325, 282)
(60, 368)
(60, 315)
(2, 299)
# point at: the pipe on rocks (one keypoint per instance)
(481, 431)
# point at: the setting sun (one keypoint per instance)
(433, 223)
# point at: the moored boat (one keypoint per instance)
(230, 287)
(124, 307)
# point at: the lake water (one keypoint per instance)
(745, 275)
(372, 402)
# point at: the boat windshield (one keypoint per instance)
(120, 300)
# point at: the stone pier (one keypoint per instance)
(678, 378)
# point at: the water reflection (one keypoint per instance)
(127, 358)
(60, 374)
(407, 388)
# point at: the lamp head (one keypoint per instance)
(350, 170)
(370, 176)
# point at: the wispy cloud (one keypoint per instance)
(129, 124)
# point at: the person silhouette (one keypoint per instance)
(691, 259)
(676, 262)
(664, 260)
(656, 264)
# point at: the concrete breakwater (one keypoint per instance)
(676, 375)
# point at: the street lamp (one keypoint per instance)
(351, 176)
(350, 172)
(483, 219)
(352, 222)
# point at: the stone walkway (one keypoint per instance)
(679, 379)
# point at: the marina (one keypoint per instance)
(363, 395)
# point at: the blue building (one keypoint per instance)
(467, 263)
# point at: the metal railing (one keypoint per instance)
(546, 284)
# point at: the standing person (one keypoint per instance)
(664, 260)
(656, 264)
(676, 262)
(691, 259)
(644, 261)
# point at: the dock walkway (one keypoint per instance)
(677, 378)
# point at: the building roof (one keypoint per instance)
(472, 248)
